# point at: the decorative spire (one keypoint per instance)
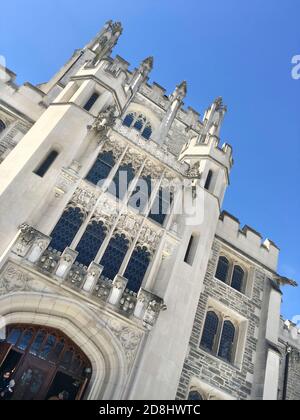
(140, 75)
(146, 66)
(213, 119)
(180, 92)
(106, 40)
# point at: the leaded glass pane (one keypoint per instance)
(128, 120)
(222, 270)
(91, 242)
(147, 133)
(195, 396)
(36, 346)
(137, 268)
(26, 339)
(227, 340)
(114, 256)
(122, 180)
(161, 206)
(210, 331)
(142, 193)
(48, 347)
(2, 126)
(14, 336)
(139, 124)
(238, 278)
(66, 229)
(101, 168)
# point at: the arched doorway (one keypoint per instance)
(44, 362)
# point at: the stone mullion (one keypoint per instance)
(134, 243)
(91, 213)
(123, 206)
(150, 277)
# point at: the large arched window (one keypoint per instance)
(237, 281)
(101, 168)
(161, 206)
(140, 123)
(66, 229)
(210, 331)
(137, 268)
(195, 396)
(227, 341)
(2, 126)
(222, 270)
(114, 256)
(124, 176)
(140, 197)
(91, 242)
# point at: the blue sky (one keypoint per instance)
(236, 49)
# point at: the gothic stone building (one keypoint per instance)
(110, 290)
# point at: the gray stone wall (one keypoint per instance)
(208, 368)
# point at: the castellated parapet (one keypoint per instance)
(248, 241)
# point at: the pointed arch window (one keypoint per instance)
(91, 242)
(91, 102)
(114, 256)
(121, 182)
(237, 281)
(142, 193)
(227, 341)
(101, 168)
(2, 126)
(66, 228)
(195, 396)
(222, 269)
(210, 331)
(140, 123)
(137, 268)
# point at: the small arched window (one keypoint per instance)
(238, 276)
(91, 102)
(222, 269)
(66, 229)
(195, 396)
(227, 341)
(137, 268)
(46, 164)
(91, 242)
(101, 168)
(140, 123)
(209, 180)
(114, 256)
(2, 126)
(210, 331)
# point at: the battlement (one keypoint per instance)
(289, 333)
(248, 240)
(211, 147)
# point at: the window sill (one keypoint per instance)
(220, 360)
(241, 294)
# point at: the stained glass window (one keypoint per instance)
(66, 229)
(114, 256)
(46, 164)
(139, 124)
(238, 278)
(25, 340)
(91, 102)
(122, 180)
(14, 336)
(101, 168)
(91, 242)
(147, 133)
(227, 340)
(195, 396)
(2, 126)
(128, 121)
(222, 270)
(210, 331)
(161, 206)
(142, 193)
(137, 268)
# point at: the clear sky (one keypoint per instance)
(236, 49)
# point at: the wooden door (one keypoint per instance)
(33, 379)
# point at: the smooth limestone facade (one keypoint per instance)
(144, 343)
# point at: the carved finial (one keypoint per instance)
(180, 92)
(219, 104)
(107, 40)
